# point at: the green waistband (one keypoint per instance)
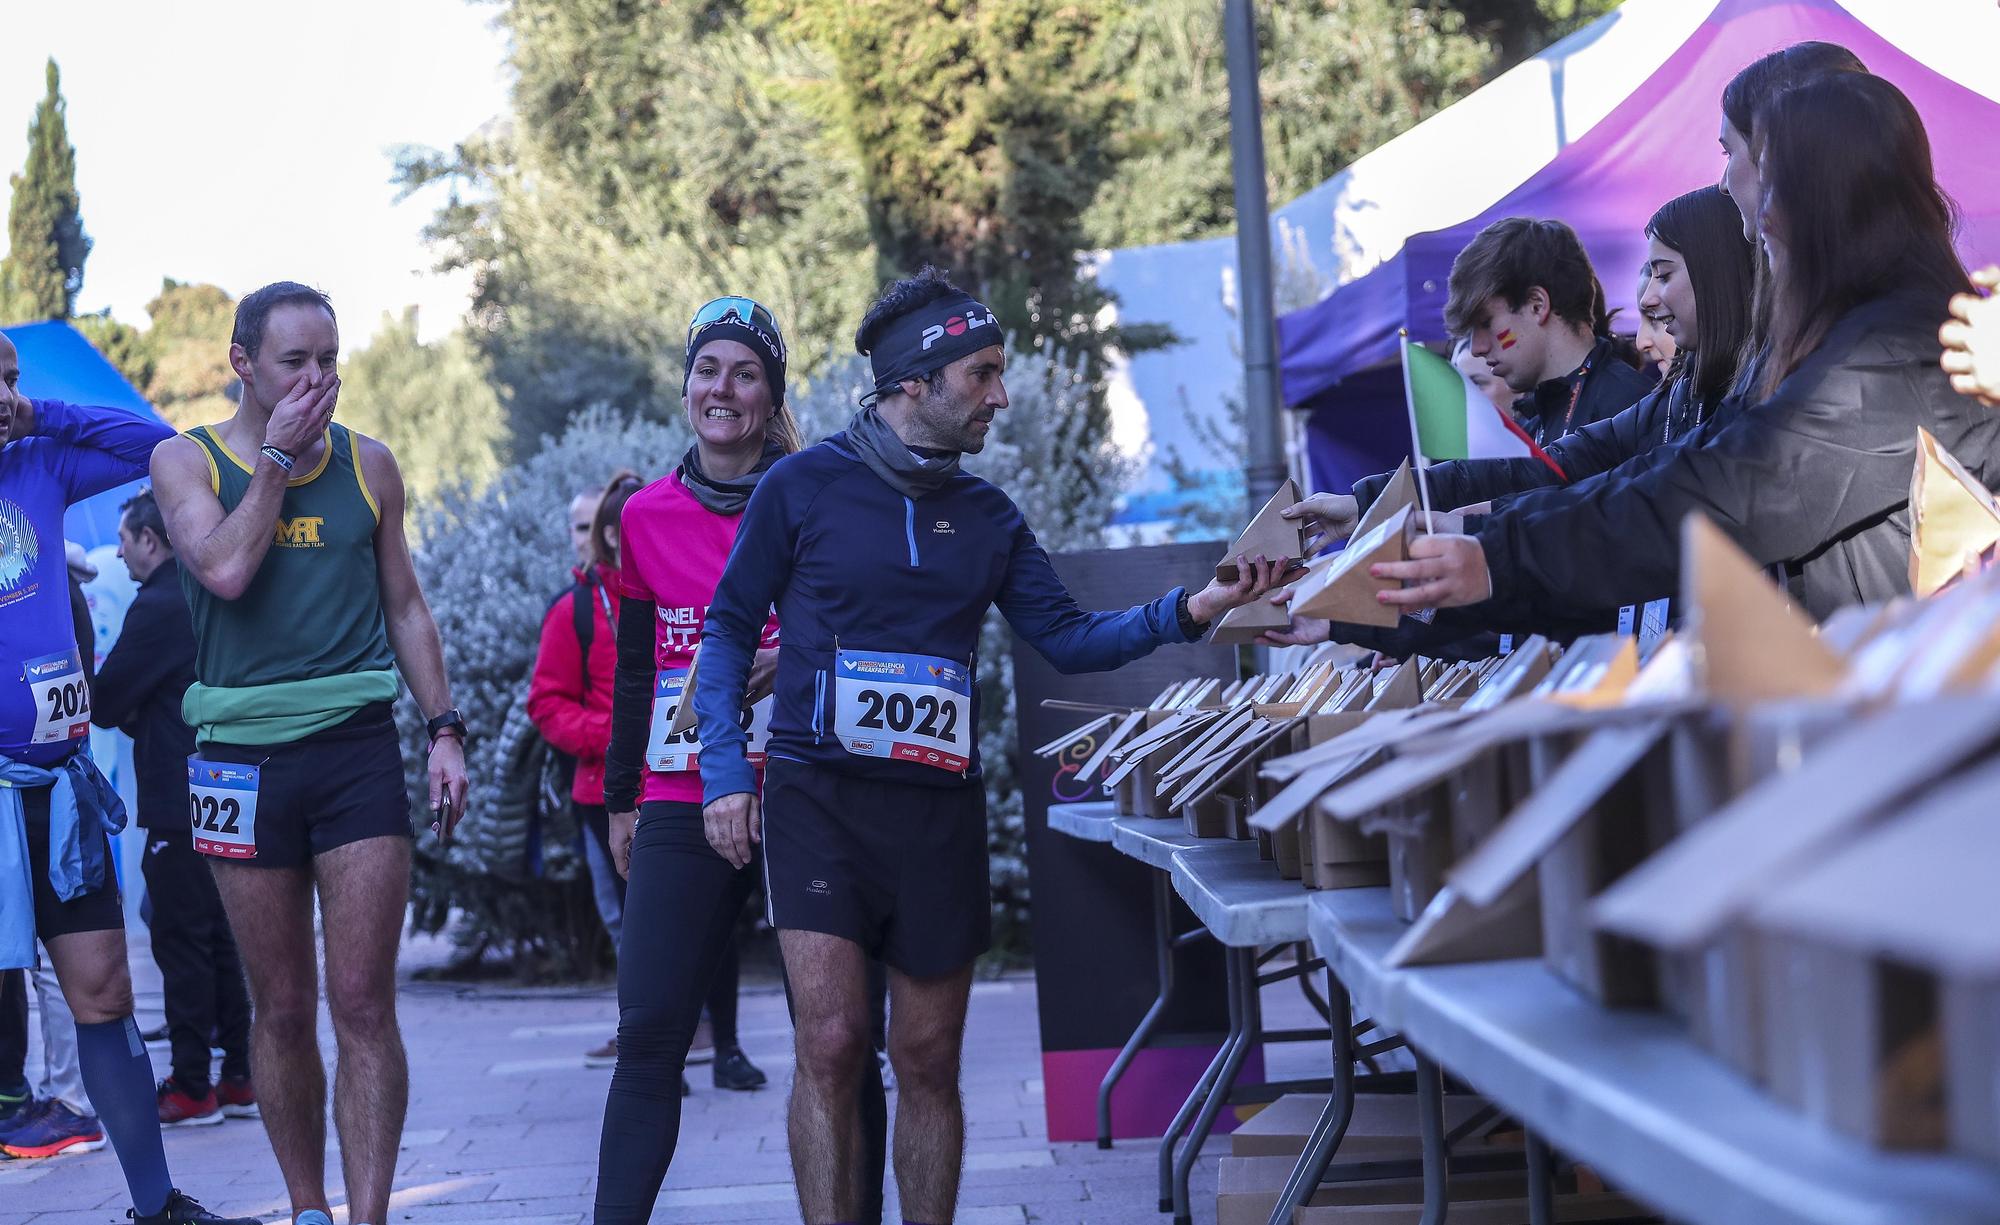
(282, 712)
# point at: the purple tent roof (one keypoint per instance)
(1657, 143)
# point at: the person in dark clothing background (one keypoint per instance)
(1814, 477)
(139, 689)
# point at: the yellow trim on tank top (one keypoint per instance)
(325, 456)
(214, 473)
(361, 477)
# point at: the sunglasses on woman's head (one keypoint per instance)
(745, 311)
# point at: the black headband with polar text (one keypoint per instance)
(929, 338)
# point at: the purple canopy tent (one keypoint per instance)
(1659, 142)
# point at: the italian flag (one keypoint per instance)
(1453, 419)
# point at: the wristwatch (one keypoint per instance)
(449, 721)
(1191, 629)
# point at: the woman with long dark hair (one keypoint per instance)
(1814, 478)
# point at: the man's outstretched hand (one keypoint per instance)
(1254, 579)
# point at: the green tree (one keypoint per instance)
(123, 345)
(981, 132)
(46, 245)
(191, 381)
(658, 155)
(431, 403)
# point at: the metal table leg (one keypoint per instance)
(1430, 1121)
(1243, 1025)
(1206, 1086)
(1541, 1193)
(1332, 1125)
(1163, 953)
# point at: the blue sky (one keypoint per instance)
(247, 141)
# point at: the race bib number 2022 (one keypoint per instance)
(904, 707)
(222, 808)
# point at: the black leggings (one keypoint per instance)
(681, 905)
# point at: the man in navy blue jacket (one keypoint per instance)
(882, 557)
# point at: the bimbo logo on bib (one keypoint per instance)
(957, 325)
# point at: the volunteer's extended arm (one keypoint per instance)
(1765, 479)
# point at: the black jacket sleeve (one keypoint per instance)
(631, 704)
(145, 657)
(1828, 455)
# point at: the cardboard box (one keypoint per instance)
(1858, 952)
(1269, 535)
(1339, 587)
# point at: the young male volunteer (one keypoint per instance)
(289, 530)
(56, 809)
(882, 557)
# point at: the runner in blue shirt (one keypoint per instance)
(882, 558)
(57, 811)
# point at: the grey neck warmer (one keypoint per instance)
(885, 453)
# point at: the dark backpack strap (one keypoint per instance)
(584, 615)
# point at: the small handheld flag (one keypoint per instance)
(1450, 418)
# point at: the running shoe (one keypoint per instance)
(20, 1119)
(602, 1056)
(14, 1103)
(313, 1216)
(237, 1097)
(179, 1108)
(56, 1129)
(733, 1070)
(181, 1209)
(157, 1036)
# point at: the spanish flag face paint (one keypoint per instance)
(1506, 338)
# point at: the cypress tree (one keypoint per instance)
(46, 245)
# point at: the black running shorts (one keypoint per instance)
(98, 911)
(898, 869)
(332, 788)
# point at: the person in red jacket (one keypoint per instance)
(569, 698)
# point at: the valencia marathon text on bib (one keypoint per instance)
(667, 753)
(904, 707)
(222, 808)
(62, 698)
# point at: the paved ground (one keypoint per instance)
(504, 1120)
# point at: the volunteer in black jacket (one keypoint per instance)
(138, 691)
(882, 558)
(1815, 477)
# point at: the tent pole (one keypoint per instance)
(1261, 402)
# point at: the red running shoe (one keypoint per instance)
(237, 1097)
(179, 1108)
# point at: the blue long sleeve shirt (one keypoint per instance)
(74, 452)
(852, 565)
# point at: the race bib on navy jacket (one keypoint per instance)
(882, 598)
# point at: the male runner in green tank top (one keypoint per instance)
(289, 529)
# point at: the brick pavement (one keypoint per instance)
(504, 1120)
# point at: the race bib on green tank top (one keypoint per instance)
(671, 753)
(222, 808)
(914, 708)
